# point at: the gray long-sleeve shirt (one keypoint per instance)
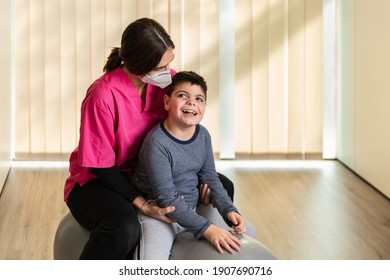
(170, 170)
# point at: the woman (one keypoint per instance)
(118, 110)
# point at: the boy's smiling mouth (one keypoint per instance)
(187, 111)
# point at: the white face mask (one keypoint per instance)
(160, 79)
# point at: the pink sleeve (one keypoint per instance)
(97, 135)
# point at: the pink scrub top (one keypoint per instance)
(114, 122)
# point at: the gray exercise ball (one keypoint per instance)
(186, 247)
(70, 238)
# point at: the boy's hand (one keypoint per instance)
(221, 238)
(238, 222)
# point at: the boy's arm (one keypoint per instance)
(209, 176)
(158, 167)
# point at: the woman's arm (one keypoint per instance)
(112, 178)
(151, 209)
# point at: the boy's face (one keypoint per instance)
(186, 105)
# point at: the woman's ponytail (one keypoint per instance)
(113, 60)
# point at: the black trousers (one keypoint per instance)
(111, 219)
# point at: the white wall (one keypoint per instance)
(61, 47)
(5, 89)
(364, 89)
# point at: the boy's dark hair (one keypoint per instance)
(187, 77)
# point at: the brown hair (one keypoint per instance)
(143, 44)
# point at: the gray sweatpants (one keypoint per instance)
(157, 237)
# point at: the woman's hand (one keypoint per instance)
(205, 195)
(221, 238)
(238, 222)
(152, 209)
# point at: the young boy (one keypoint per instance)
(175, 156)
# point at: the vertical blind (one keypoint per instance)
(61, 47)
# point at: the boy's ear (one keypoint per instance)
(167, 100)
